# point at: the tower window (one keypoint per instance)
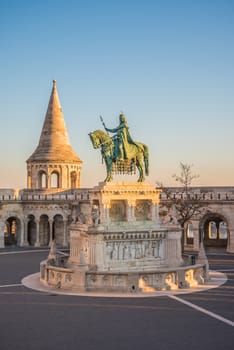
(42, 180)
(54, 180)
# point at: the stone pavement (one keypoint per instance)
(41, 320)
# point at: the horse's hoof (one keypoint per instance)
(108, 179)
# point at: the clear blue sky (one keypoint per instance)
(168, 64)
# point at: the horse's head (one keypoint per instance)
(99, 137)
(95, 140)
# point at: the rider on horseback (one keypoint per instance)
(121, 148)
(122, 139)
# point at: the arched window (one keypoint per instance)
(215, 231)
(223, 230)
(54, 182)
(189, 233)
(42, 180)
(12, 231)
(189, 230)
(212, 230)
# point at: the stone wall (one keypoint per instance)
(16, 203)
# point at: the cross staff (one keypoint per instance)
(103, 123)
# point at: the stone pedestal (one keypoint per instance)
(126, 248)
(202, 259)
(79, 247)
(131, 238)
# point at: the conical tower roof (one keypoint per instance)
(54, 144)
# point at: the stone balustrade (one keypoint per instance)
(201, 193)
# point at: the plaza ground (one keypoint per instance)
(36, 320)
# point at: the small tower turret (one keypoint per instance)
(54, 164)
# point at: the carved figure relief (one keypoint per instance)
(142, 210)
(118, 211)
(132, 250)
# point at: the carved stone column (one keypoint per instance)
(25, 235)
(20, 235)
(154, 211)
(173, 248)
(196, 235)
(65, 243)
(106, 209)
(37, 243)
(92, 250)
(51, 232)
(131, 210)
(230, 247)
(48, 181)
(78, 245)
(79, 252)
(2, 242)
(202, 259)
(99, 253)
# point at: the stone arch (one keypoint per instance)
(32, 230)
(44, 230)
(42, 179)
(212, 227)
(12, 231)
(54, 179)
(58, 229)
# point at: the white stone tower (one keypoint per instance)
(53, 166)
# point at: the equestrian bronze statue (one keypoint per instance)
(121, 154)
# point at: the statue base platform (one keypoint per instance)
(126, 248)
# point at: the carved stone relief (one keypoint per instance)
(132, 249)
(118, 210)
(142, 210)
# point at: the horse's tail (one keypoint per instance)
(146, 158)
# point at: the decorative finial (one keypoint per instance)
(54, 82)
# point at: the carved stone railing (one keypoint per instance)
(199, 193)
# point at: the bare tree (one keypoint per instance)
(185, 203)
(188, 205)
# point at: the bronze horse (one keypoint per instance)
(138, 153)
